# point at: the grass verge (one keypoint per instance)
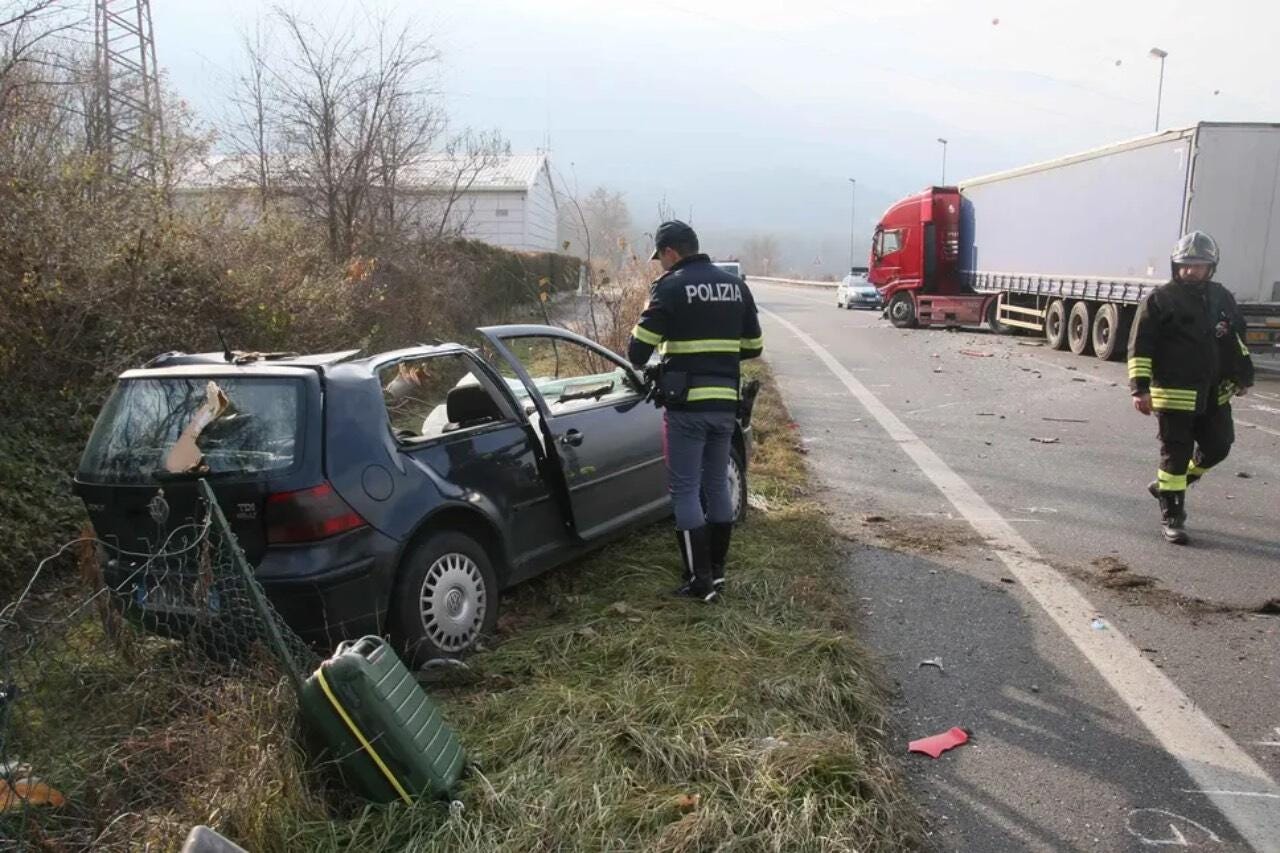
(610, 717)
(605, 716)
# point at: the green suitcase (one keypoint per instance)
(388, 736)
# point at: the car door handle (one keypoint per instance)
(572, 438)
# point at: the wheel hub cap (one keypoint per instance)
(452, 602)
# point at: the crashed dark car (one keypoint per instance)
(395, 494)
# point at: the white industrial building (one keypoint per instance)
(508, 201)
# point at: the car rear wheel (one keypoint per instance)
(738, 485)
(902, 311)
(447, 598)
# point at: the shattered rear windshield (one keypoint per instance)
(153, 428)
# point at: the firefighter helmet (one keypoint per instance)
(1195, 247)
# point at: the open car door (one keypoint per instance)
(602, 439)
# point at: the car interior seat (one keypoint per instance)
(469, 406)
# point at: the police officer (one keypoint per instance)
(703, 322)
(1187, 359)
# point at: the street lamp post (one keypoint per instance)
(1157, 53)
(944, 160)
(853, 197)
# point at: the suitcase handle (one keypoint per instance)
(365, 646)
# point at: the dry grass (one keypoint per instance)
(605, 716)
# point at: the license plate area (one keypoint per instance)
(179, 595)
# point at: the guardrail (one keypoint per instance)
(795, 282)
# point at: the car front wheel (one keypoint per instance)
(738, 485)
(447, 598)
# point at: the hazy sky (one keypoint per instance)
(752, 115)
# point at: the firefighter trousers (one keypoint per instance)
(1191, 444)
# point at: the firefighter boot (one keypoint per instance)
(1173, 517)
(695, 551)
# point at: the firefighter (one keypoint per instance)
(1187, 359)
(703, 322)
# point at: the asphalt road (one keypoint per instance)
(1087, 735)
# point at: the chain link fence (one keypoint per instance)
(142, 694)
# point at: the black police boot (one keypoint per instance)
(1173, 517)
(721, 533)
(695, 550)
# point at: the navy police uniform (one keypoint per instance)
(703, 322)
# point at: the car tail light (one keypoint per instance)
(308, 515)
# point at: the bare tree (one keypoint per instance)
(27, 27)
(250, 130)
(604, 220)
(335, 97)
(761, 255)
(465, 159)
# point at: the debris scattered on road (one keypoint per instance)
(1067, 420)
(937, 370)
(986, 414)
(976, 354)
(1270, 608)
(1098, 625)
(874, 519)
(1030, 343)
(1045, 440)
(1070, 368)
(1079, 379)
(1111, 565)
(1007, 580)
(934, 745)
(1244, 475)
(933, 662)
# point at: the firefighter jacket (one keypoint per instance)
(703, 322)
(1187, 347)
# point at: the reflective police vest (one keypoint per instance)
(703, 322)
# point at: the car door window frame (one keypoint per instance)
(512, 412)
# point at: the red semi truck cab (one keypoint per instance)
(915, 263)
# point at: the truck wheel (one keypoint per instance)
(1110, 332)
(1055, 325)
(902, 311)
(446, 599)
(993, 320)
(1080, 328)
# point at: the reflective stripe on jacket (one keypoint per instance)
(1187, 348)
(703, 322)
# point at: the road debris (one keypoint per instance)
(976, 354)
(1067, 420)
(1007, 580)
(935, 662)
(1039, 440)
(1271, 607)
(1098, 625)
(1079, 378)
(986, 414)
(874, 519)
(1244, 475)
(934, 745)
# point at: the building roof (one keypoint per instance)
(507, 173)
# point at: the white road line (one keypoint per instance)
(1259, 428)
(1212, 759)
